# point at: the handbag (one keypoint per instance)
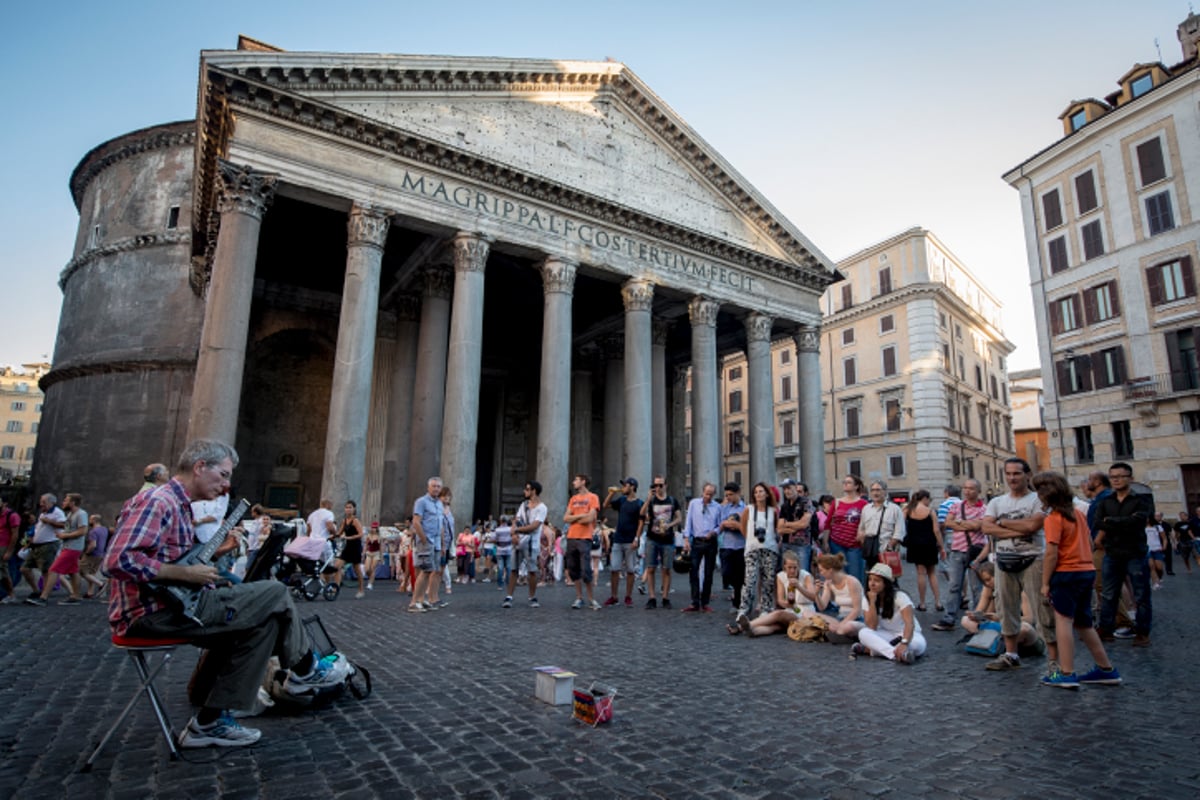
(892, 559)
(682, 563)
(870, 544)
(987, 641)
(808, 629)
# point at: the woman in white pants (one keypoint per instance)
(891, 629)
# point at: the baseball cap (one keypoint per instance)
(631, 481)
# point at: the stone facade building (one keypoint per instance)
(1112, 237)
(364, 270)
(20, 417)
(1032, 440)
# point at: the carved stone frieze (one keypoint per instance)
(638, 294)
(808, 340)
(558, 275)
(368, 225)
(808, 271)
(437, 282)
(758, 327)
(470, 252)
(104, 156)
(244, 190)
(122, 246)
(702, 311)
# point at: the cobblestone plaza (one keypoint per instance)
(698, 713)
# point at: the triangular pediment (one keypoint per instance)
(588, 126)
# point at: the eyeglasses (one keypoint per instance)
(224, 473)
(657, 485)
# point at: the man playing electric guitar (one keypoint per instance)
(241, 626)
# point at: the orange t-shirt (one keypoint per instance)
(1074, 542)
(582, 503)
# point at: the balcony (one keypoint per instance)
(1167, 384)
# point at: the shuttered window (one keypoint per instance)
(1093, 240)
(1052, 209)
(1085, 192)
(1057, 249)
(1171, 281)
(1151, 165)
(1100, 303)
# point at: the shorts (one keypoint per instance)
(657, 553)
(67, 562)
(527, 556)
(579, 559)
(424, 561)
(1071, 596)
(41, 556)
(623, 558)
(1158, 555)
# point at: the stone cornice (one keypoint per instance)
(103, 156)
(121, 246)
(110, 363)
(226, 89)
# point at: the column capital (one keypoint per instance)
(558, 275)
(470, 251)
(244, 190)
(702, 311)
(408, 307)
(808, 339)
(660, 329)
(758, 327)
(437, 282)
(638, 294)
(367, 226)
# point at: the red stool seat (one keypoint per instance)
(145, 643)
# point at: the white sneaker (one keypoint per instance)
(225, 731)
(327, 672)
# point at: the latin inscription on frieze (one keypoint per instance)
(573, 230)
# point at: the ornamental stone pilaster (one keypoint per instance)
(556, 390)
(812, 417)
(460, 423)
(353, 366)
(706, 432)
(429, 385)
(638, 296)
(242, 200)
(761, 420)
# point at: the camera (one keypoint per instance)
(760, 534)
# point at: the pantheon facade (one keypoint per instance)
(364, 270)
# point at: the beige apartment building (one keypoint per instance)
(1111, 234)
(21, 407)
(913, 375)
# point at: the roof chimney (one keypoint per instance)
(1189, 35)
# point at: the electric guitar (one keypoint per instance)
(184, 598)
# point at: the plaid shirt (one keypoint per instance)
(155, 528)
(961, 511)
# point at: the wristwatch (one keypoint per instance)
(904, 642)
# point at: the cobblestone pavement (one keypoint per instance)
(698, 713)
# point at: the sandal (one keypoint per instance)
(940, 608)
(743, 622)
(921, 608)
(734, 630)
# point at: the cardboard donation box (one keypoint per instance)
(554, 685)
(594, 705)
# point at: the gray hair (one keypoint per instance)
(53, 499)
(880, 484)
(978, 486)
(210, 451)
(156, 473)
(952, 490)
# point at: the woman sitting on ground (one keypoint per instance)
(795, 594)
(839, 596)
(1029, 642)
(891, 629)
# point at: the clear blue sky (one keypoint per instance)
(856, 119)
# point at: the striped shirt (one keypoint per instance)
(155, 529)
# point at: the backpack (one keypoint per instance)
(987, 642)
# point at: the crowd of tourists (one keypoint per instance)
(1034, 566)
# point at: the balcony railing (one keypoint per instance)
(1150, 387)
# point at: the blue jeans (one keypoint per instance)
(502, 567)
(803, 551)
(1113, 572)
(957, 566)
(854, 561)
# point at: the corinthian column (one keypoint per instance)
(395, 502)
(614, 411)
(812, 422)
(429, 386)
(706, 431)
(460, 423)
(761, 420)
(638, 296)
(243, 199)
(658, 393)
(350, 398)
(554, 397)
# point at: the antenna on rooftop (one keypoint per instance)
(1157, 48)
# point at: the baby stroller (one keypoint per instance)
(306, 561)
(270, 561)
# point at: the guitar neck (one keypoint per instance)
(204, 553)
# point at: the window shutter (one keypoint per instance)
(1114, 298)
(1119, 365)
(1174, 359)
(1189, 280)
(889, 361)
(1089, 306)
(1155, 284)
(1078, 312)
(1064, 378)
(1051, 209)
(1055, 319)
(1083, 368)
(1150, 161)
